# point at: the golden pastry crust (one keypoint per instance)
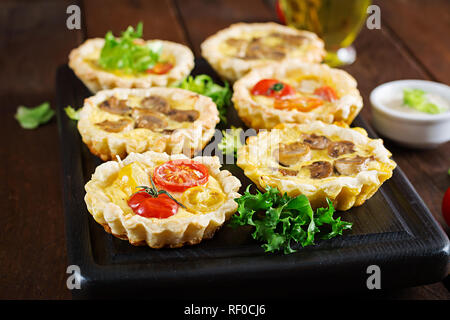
(264, 116)
(345, 190)
(233, 67)
(188, 139)
(96, 79)
(172, 232)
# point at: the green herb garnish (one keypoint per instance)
(277, 87)
(153, 191)
(128, 55)
(231, 141)
(280, 219)
(31, 118)
(204, 84)
(72, 113)
(417, 99)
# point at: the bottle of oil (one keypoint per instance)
(337, 22)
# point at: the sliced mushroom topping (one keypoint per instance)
(183, 115)
(114, 126)
(338, 148)
(156, 103)
(116, 106)
(320, 169)
(148, 119)
(236, 43)
(258, 50)
(291, 40)
(288, 172)
(316, 142)
(350, 166)
(289, 154)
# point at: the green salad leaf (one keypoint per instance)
(231, 141)
(127, 54)
(31, 118)
(417, 99)
(72, 113)
(280, 220)
(204, 84)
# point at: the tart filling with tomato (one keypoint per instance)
(130, 62)
(234, 51)
(162, 201)
(318, 160)
(294, 92)
(119, 121)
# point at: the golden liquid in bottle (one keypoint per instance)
(337, 22)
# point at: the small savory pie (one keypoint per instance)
(120, 121)
(234, 51)
(175, 62)
(162, 201)
(295, 92)
(318, 160)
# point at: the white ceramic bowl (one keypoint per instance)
(417, 130)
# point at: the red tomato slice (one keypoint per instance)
(303, 104)
(160, 68)
(179, 175)
(446, 206)
(272, 88)
(146, 206)
(326, 93)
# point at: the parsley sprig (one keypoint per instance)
(204, 84)
(31, 118)
(231, 141)
(127, 54)
(280, 220)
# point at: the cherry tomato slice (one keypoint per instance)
(179, 175)
(160, 68)
(446, 206)
(147, 206)
(272, 88)
(303, 104)
(326, 93)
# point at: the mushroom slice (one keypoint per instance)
(148, 119)
(115, 106)
(350, 166)
(258, 50)
(289, 154)
(236, 43)
(338, 148)
(183, 115)
(316, 142)
(156, 103)
(114, 126)
(320, 169)
(291, 40)
(288, 172)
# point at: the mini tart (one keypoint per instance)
(83, 61)
(120, 121)
(318, 160)
(234, 51)
(112, 183)
(259, 112)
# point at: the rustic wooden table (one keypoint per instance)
(34, 41)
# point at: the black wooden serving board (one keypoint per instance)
(393, 230)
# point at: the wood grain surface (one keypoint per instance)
(34, 41)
